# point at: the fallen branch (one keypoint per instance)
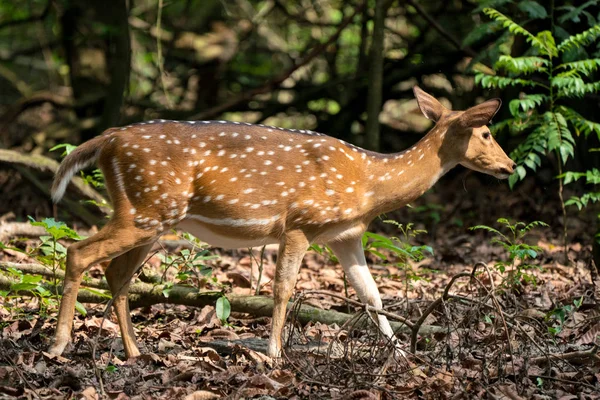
(144, 294)
(579, 356)
(9, 230)
(48, 165)
(416, 328)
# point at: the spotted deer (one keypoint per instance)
(235, 185)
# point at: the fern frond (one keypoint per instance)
(581, 39)
(581, 124)
(592, 177)
(544, 40)
(522, 65)
(528, 153)
(559, 136)
(573, 13)
(571, 176)
(534, 224)
(526, 103)
(573, 85)
(580, 202)
(492, 81)
(585, 67)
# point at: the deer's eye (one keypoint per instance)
(486, 135)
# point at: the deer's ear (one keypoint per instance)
(429, 105)
(481, 114)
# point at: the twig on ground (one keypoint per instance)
(407, 322)
(588, 355)
(417, 326)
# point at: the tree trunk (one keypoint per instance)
(377, 57)
(118, 57)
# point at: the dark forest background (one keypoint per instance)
(512, 304)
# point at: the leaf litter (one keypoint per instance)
(535, 339)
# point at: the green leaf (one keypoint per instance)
(586, 67)
(581, 124)
(533, 9)
(31, 279)
(223, 308)
(80, 308)
(582, 39)
(43, 291)
(526, 103)
(539, 42)
(574, 13)
(501, 82)
(18, 287)
(96, 292)
(58, 230)
(547, 39)
(68, 148)
(479, 32)
(521, 172)
(522, 65)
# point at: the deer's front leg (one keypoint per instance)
(352, 257)
(291, 251)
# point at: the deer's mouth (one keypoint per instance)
(504, 172)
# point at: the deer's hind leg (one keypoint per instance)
(291, 251)
(118, 275)
(114, 239)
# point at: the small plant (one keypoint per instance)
(560, 315)
(111, 368)
(28, 283)
(223, 309)
(53, 253)
(402, 251)
(519, 253)
(555, 72)
(95, 178)
(49, 253)
(189, 263)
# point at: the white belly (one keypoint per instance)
(202, 232)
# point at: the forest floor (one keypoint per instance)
(525, 333)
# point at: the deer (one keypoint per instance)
(241, 185)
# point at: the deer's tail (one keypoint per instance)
(82, 157)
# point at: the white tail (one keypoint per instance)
(239, 185)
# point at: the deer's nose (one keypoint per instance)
(514, 166)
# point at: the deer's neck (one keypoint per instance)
(399, 178)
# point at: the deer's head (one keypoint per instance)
(466, 138)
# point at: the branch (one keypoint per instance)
(28, 20)
(580, 357)
(39, 98)
(144, 294)
(447, 35)
(48, 165)
(272, 84)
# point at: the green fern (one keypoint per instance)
(568, 86)
(490, 81)
(515, 28)
(580, 40)
(581, 124)
(556, 74)
(526, 103)
(522, 65)
(585, 67)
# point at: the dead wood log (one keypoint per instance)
(144, 294)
